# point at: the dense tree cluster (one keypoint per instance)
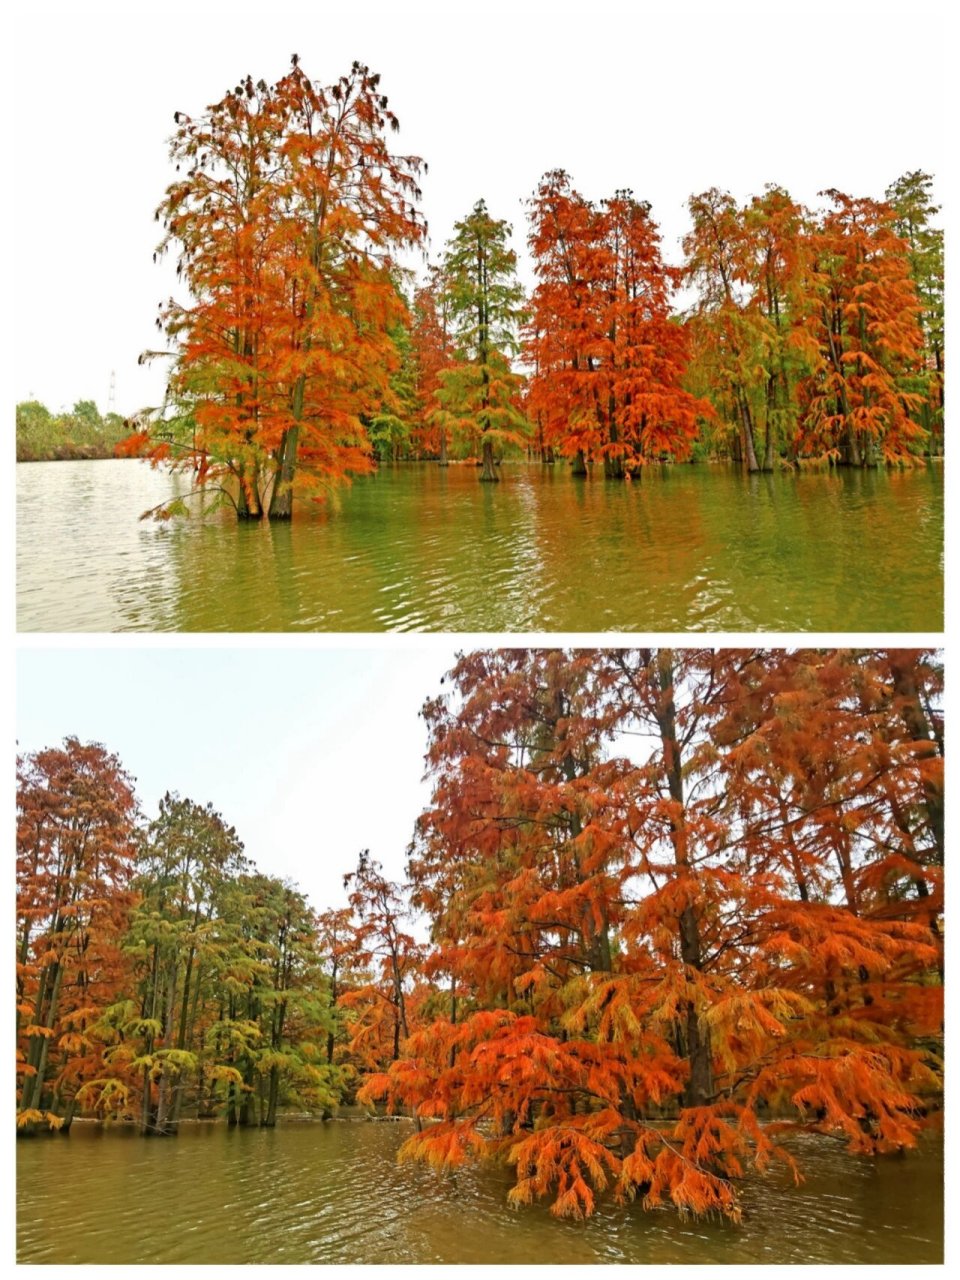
(303, 352)
(674, 905)
(808, 329)
(43, 436)
(157, 969)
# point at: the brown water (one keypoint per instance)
(333, 1193)
(419, 547)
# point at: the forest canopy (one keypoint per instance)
(304, 350)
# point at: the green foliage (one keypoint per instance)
(485, 304)
(910, 197)
(82, 433)
(232, 998)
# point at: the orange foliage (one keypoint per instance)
(608, 358)
(433, 353)
(285, 219)
(75, 858)
(684, 900)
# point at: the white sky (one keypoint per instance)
(311, 754)
(668, 99)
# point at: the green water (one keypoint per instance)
(334, 1193)
(419, 547)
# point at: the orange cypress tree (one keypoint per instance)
(653, 878)
(76, 819)
(566, 321)
(336, 944)
(391, 957)
(433, 352)
(285, 223)
(645, 353)
(609, 358)
(863, 337)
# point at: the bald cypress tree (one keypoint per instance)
(485, 300)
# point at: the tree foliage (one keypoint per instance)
(43, 436)
(285, 219)
(76, 815)
(297, 361)
(608, 357)
(911, 201)
(689, 901)
(478, 389)
(158, 971)
(806, 328)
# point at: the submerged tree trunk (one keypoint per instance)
(489, 471)
(39, 1044)
(145, 1115)
(281, 500)
(746, 436)
(613, 462)
(444, 460)
(248, 498)
(579, 467)
(850, 454)
(613, 467)
(273, 1094)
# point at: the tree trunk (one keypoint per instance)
(145, 1102)
(180, 1084)
(746, 435)
(40, 1057)
(918, 725)
(697, 1038)
(613, 462)
(68, 1115)
(771, 418)
(246, 1117)
(281, 500)
(489, 472)
(851, 446)
(248, 499)
(272, 1096)
(914, 717)
(579, 467)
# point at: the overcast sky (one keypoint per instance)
(311, 754)
(666, 99)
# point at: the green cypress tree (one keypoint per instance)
(485, 302)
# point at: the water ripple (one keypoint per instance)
(334, 1193)
(416, 548)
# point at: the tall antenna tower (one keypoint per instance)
(112, 396)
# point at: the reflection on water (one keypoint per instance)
(419, 547)
(334, 1193)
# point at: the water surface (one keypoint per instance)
(419, 547)
(333, 1192)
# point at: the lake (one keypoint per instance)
(423, 548)
(332, 1192)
